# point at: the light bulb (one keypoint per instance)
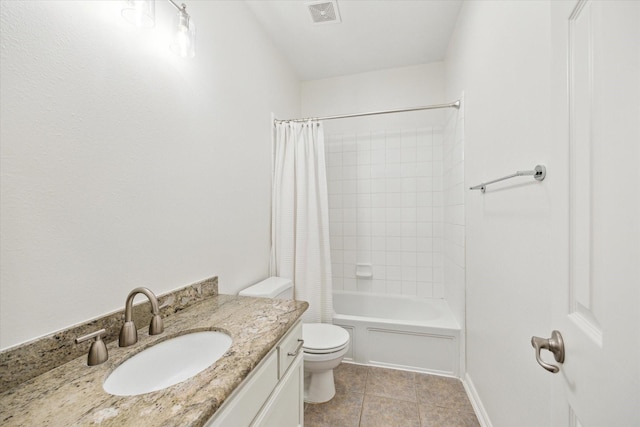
(184, 38)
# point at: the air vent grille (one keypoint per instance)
(324, 12)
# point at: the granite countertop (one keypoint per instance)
(72, 394)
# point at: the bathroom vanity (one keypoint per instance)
(258, 381)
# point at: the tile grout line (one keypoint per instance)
(364, 396)
(415, 384)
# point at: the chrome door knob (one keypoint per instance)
(555, 345)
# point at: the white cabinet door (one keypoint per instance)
(286, 407)
(595, 105)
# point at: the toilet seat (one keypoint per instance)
(323, 338)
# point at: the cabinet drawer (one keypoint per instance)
(289, 348)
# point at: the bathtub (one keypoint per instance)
(417, 334)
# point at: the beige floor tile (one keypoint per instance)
(385, 412)
(350, 377)
(438, 416)
(441, 391)
(392, 398)
(341, 411)
(391, 383)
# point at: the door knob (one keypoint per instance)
(555, 345)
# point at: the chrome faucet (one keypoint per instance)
(128, 333)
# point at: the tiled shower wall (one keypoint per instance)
(386, 211)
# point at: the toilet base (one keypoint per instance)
(319, 386)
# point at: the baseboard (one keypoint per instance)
(481, 413)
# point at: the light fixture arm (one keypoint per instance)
(182, 9)
(142, 14)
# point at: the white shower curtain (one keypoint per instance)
(300, 216)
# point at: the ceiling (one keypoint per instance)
(373, 34)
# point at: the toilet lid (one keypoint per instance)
(323, 337)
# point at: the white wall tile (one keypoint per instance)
(394, 287)
(364, 157)
(424, 289)
(379, 286)
(393, 155)
(349, 257)
(424, 229)
(386, 207)
(438, 290)
(350, 243)
(364, 141)
(424, 274)
(349, 172)
(378, 157)
(409, 215)
(350, 215)
(409, 229)
(378, 185)
(394, 200)
(364, 285)
(378, 243)
(378, 229)
(394, 229)
(424, 259)
(348, 272)
(349, 158)
(379, 258)
(394, 272)
(394, 258)
(364, 186)
(378, 140)
(409, 244)
(394, 185)
(364, 171)
(379, 272)
(409, 259)
(409, 288)
(349, 284)
(349, 186)
(394, 244)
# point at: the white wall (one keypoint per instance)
(373, 91)
(499, 57)
(123, 165)
(385, 178)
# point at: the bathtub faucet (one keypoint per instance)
(128, 332)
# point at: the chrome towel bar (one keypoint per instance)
(538, 173)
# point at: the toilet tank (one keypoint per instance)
(273, 287)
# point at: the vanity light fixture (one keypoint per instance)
(184, 37)
(141, 13)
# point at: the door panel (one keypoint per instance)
(595, 105)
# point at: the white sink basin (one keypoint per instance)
(167, 363)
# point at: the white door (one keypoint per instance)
(595, 105)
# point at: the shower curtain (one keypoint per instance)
(300, 216)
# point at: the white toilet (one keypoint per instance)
(324, 344)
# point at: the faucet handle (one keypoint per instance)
(156, 326)
(98, 351)
(128, 334)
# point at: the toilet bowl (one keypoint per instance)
(324, 344)
(324, 347)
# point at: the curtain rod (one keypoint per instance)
(455, 105)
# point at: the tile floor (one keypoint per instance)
(377, 397)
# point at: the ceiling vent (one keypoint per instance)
(324, 12)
